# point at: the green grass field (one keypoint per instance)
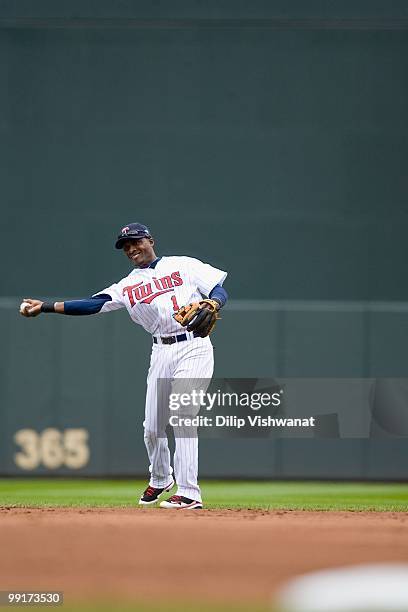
(216, 494)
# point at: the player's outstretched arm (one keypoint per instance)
(32, 308)
(87, 306)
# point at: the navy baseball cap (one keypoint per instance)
(132, 231)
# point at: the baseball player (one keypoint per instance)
(176, 300)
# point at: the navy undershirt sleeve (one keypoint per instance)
(88, 306)
(219, 294)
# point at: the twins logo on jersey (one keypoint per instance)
(145, 293)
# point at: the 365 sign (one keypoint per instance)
(52, 448)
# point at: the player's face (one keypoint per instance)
(140, 251)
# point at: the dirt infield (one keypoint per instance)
(224, 555)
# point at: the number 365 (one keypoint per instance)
(52, 448)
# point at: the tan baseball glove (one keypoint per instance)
(200, 317)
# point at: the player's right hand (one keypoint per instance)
(34, 310)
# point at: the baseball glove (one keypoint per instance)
(199, 317)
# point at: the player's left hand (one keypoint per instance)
(199, 317)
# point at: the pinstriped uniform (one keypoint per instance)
(151, 296)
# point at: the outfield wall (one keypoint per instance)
(72, 389)
(265, 137)
(279, 122)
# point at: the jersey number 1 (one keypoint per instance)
(175, 305)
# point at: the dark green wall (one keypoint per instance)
(268, 137)
(89, 373)
(273, 148)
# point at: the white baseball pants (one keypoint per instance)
(181, 366)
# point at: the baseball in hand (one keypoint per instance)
(24, 306)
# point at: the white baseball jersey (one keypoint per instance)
(152, 295)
